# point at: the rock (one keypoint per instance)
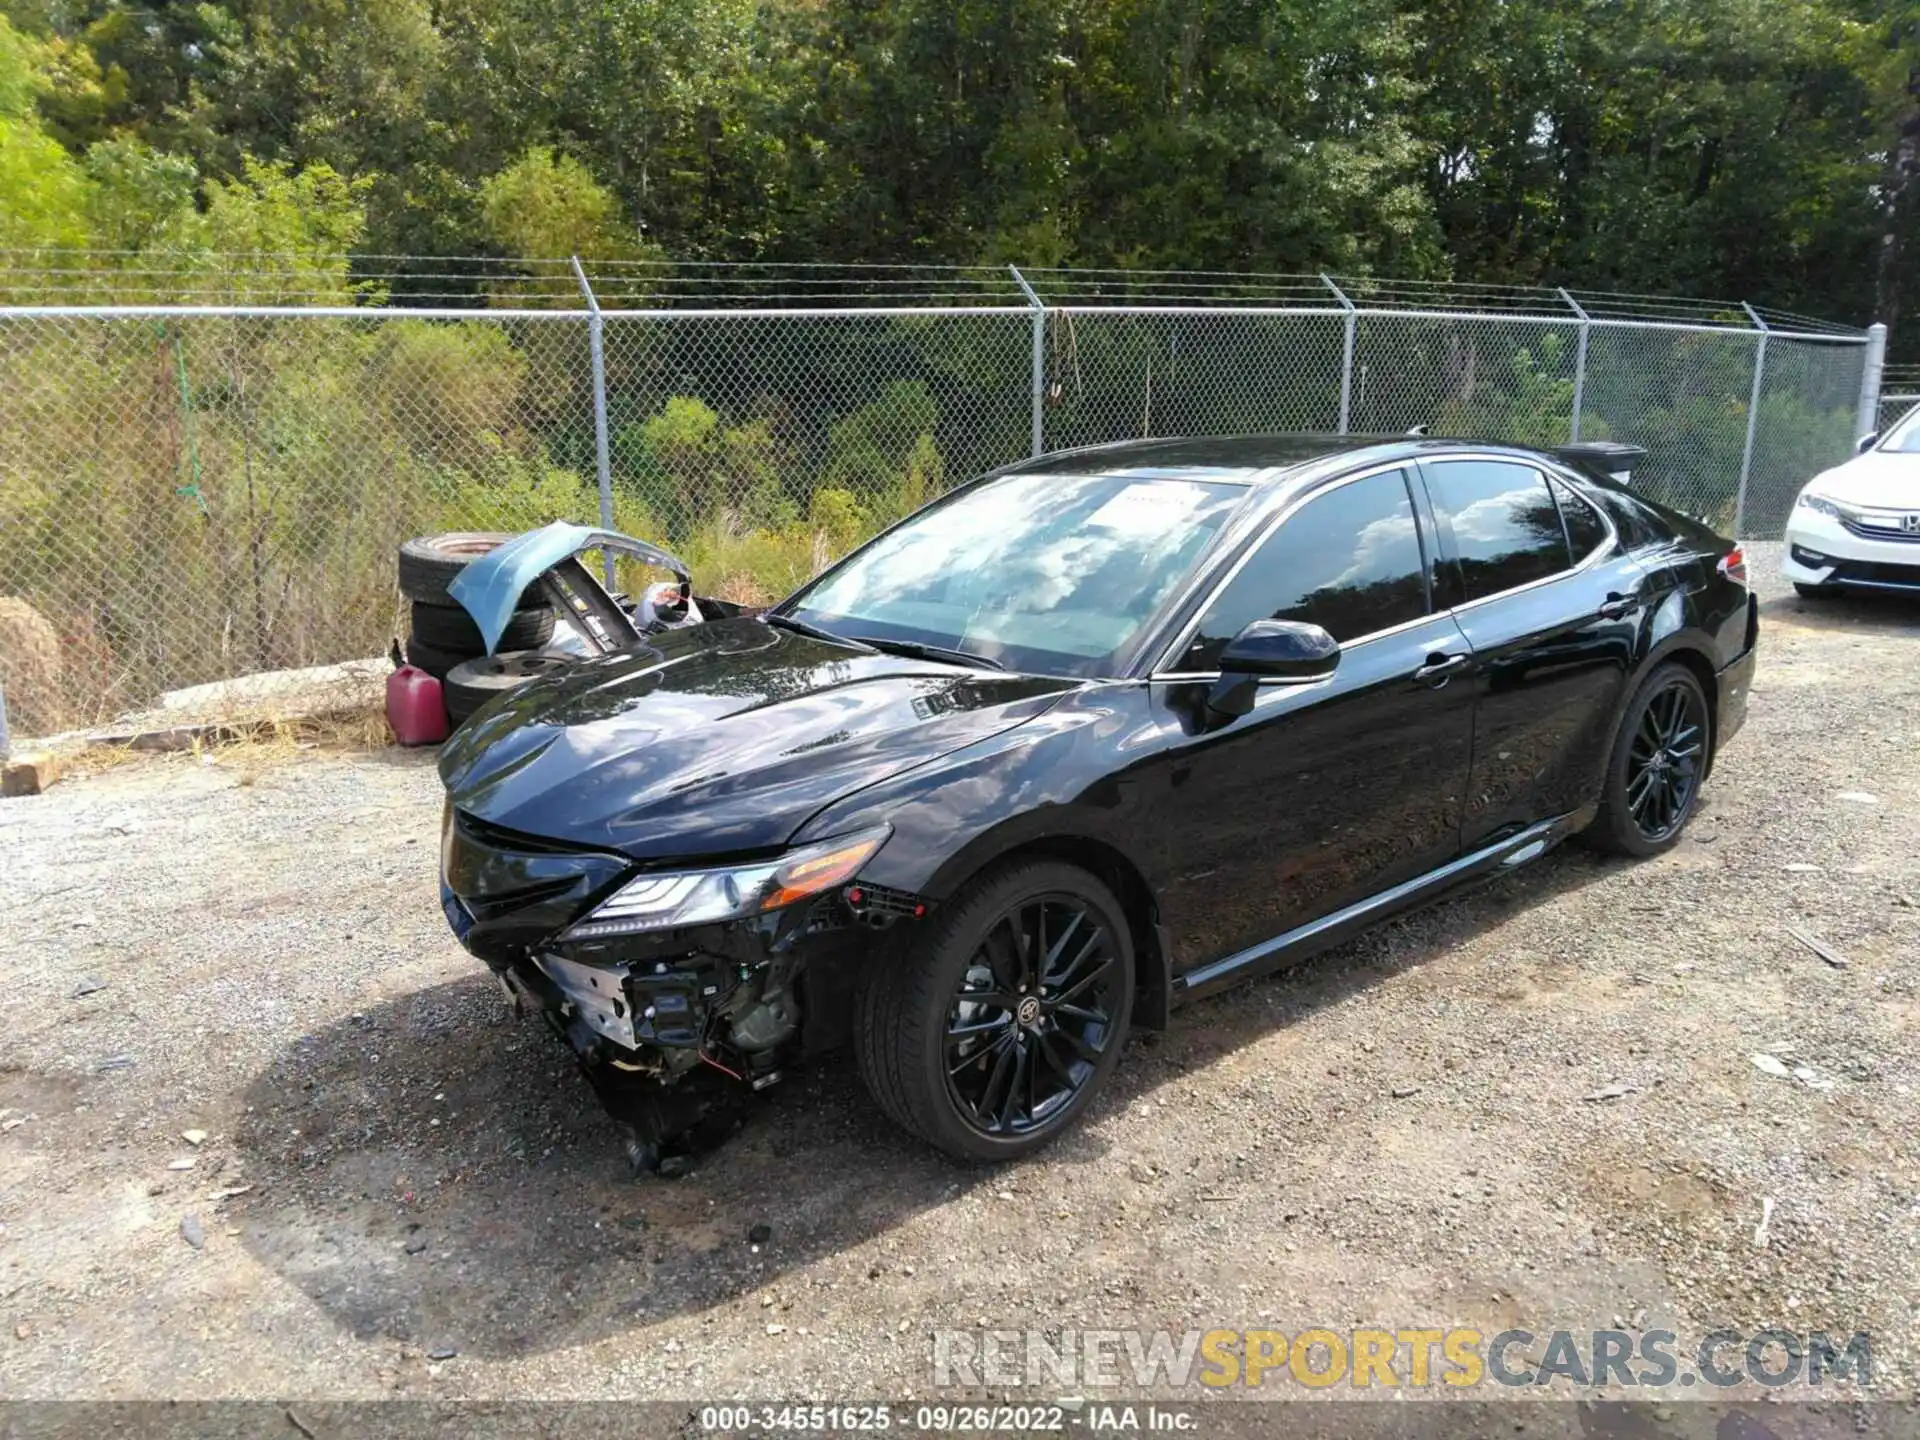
(415, 1246)
(759, 1234)
(1857, 797)
(89, 985)
(185, 1162)
(1772, 1065)
(1610, 1092)
(675, 1167)
(442, 1352)
(194, 1137)
(115, 1062)
(776, 1329)
(192, 1232)
(1402, 1092)
(28, 773)
(31, 666)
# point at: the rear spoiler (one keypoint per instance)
(1603, 459)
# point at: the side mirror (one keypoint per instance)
(1865, 442)
(1272, 652)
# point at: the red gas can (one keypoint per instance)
(416, 709)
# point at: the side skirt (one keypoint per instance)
(1329, 930)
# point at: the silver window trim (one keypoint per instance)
(1292, 506)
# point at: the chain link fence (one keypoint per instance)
(192, 493)
(1899, 393)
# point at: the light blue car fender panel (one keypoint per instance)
(491, 586)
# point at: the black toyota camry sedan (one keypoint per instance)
(1089, 736)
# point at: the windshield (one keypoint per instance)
(1904, 438)
(1048, 573)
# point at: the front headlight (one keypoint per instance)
(1821, 505)
(665, 899)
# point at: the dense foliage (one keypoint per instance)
(1714, 147)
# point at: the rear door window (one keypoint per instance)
(1349, 560)
(1505, 526)
(1586, 531)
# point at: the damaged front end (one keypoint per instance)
(681, 991)
(634, 842)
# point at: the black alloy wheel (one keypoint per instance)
(1659, 759)
(1664, 762)
(989, 1031)
(1032, 1015)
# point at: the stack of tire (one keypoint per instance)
(442, 638)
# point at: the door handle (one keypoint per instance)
(1618, 606)
(1439, 668)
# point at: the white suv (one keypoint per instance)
(1858, 524)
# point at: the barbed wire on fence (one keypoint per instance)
(206, 463)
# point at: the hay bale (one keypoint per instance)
(30, 668)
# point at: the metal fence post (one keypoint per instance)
(1873, 370)
(1753, 421)
(6, 744)
(1579, 362)
(1039, 360)
(1346, 352)
(602, 455)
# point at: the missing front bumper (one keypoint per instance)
(597, 994)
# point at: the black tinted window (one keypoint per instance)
(1348, 561)
(1506, 528)
(1585, 528)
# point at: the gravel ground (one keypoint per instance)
(402, 1190)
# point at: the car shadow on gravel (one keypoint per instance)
(1848, 610)
(434, 1172)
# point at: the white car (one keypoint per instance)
(1857, 526)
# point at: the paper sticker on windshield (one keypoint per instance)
(1152, 505)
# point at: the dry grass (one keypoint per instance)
(249, 747)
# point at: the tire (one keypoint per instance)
(449, 629)
(429, 564)
(472, 683)
(905, 1009)
(1642, 815)
(1813, 592)
(435, 661)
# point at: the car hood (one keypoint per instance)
(1879, 479)
(718, 738)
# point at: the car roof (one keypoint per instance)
(1239, 459)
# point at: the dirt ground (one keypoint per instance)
(1404, 1132)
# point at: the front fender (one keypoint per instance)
(1057, 777)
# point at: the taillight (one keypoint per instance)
(1733, 565)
